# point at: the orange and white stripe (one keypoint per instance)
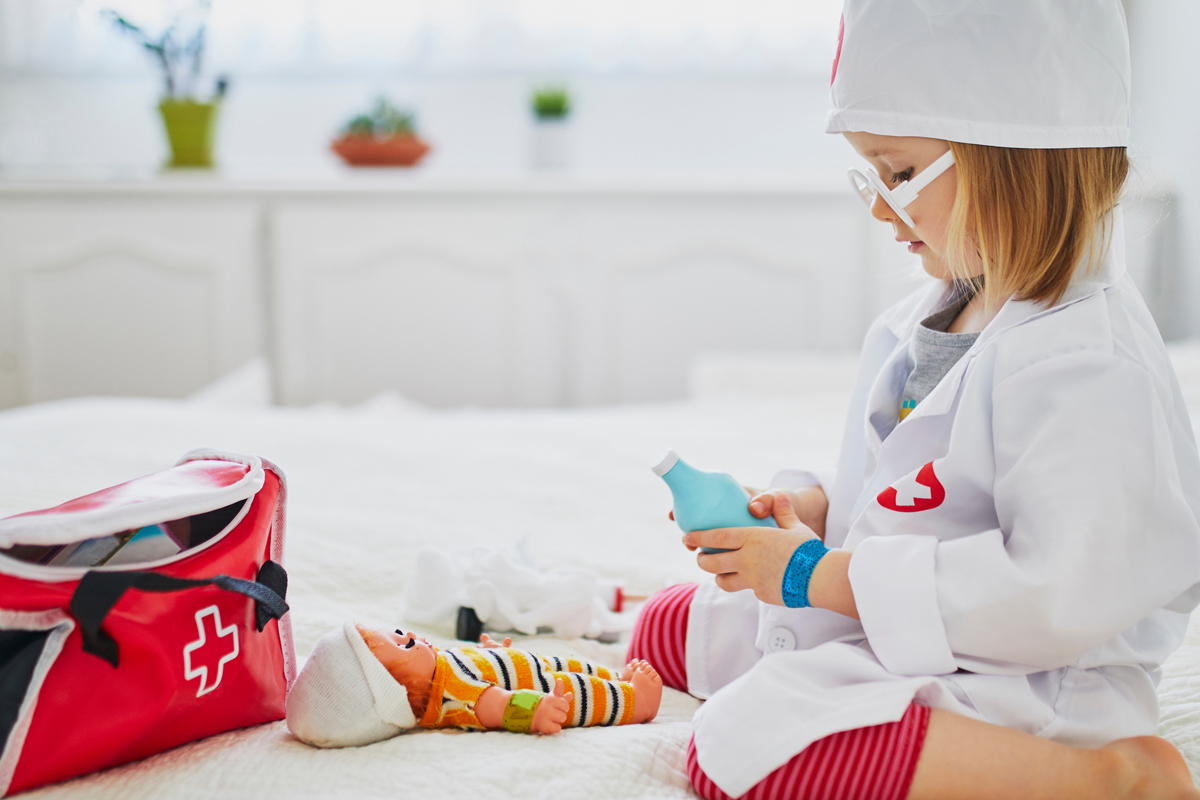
(599, 697)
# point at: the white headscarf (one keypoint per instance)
(1007, 73)
(344, 697)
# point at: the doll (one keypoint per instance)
(362, 685)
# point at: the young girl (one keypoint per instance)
(979, 603)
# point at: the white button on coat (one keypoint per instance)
(781, 640)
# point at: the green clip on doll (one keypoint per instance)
(362, 685)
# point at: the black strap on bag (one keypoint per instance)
(98, 592)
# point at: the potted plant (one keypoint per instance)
(179, 53)
(386, 137)
(551, 107)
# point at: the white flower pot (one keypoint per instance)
(551, 145)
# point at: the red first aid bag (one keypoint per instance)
(142, 617)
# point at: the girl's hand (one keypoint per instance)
(488, 642)
(552, 711)
(749, 490)
(810, 505)
(758, 557)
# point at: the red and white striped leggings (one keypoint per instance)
(875, 763)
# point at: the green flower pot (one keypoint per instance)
(190, 127)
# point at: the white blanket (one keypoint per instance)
(369, 486)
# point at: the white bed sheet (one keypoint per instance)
(370, 486)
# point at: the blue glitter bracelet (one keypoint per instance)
(799, 571)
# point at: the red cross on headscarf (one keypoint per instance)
(838, 56)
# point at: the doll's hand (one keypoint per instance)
(749, 490)
(758, 557)
(810, 505)
(552, 710)
(488, 642)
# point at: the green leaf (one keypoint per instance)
(362, 124)
(551, 102)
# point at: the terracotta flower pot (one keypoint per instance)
(364, 150)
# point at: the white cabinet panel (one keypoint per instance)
(435, 330)
(513, 292)
(125, 297)
(675, 278)
(1151, 241)
(431, 297)
(509, 293)
(549, 299)
(116, 324)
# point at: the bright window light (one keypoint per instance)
(440, 36)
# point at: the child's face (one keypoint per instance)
(403, 654)
(897, 159)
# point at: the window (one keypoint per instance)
(434, 37)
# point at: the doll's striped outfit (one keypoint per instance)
(462, 674)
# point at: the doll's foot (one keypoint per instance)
(647, 690)
(1154, 769)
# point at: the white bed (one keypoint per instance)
(369, 486)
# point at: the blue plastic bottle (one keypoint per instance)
(706, 500)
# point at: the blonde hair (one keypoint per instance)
(1025, 218)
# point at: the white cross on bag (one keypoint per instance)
(201, 671)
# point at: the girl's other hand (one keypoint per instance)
(552, 711)
(809, 504)
(758, 557)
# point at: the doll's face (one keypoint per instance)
(406, 656)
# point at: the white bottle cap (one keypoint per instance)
(665, 463)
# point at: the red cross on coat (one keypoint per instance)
(919, 493)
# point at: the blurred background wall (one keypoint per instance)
(1166, 137)
(699, 207)
(662, 85)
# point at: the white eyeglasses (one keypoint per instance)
(871, 184)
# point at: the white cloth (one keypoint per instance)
(509, 594)
(1007, 73)
(1026, 546)
(344, 697)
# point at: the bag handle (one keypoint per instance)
(98, 592)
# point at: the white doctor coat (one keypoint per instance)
(1026, 545)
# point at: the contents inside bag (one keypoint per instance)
(142, 545)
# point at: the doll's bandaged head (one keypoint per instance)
(344, 697)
